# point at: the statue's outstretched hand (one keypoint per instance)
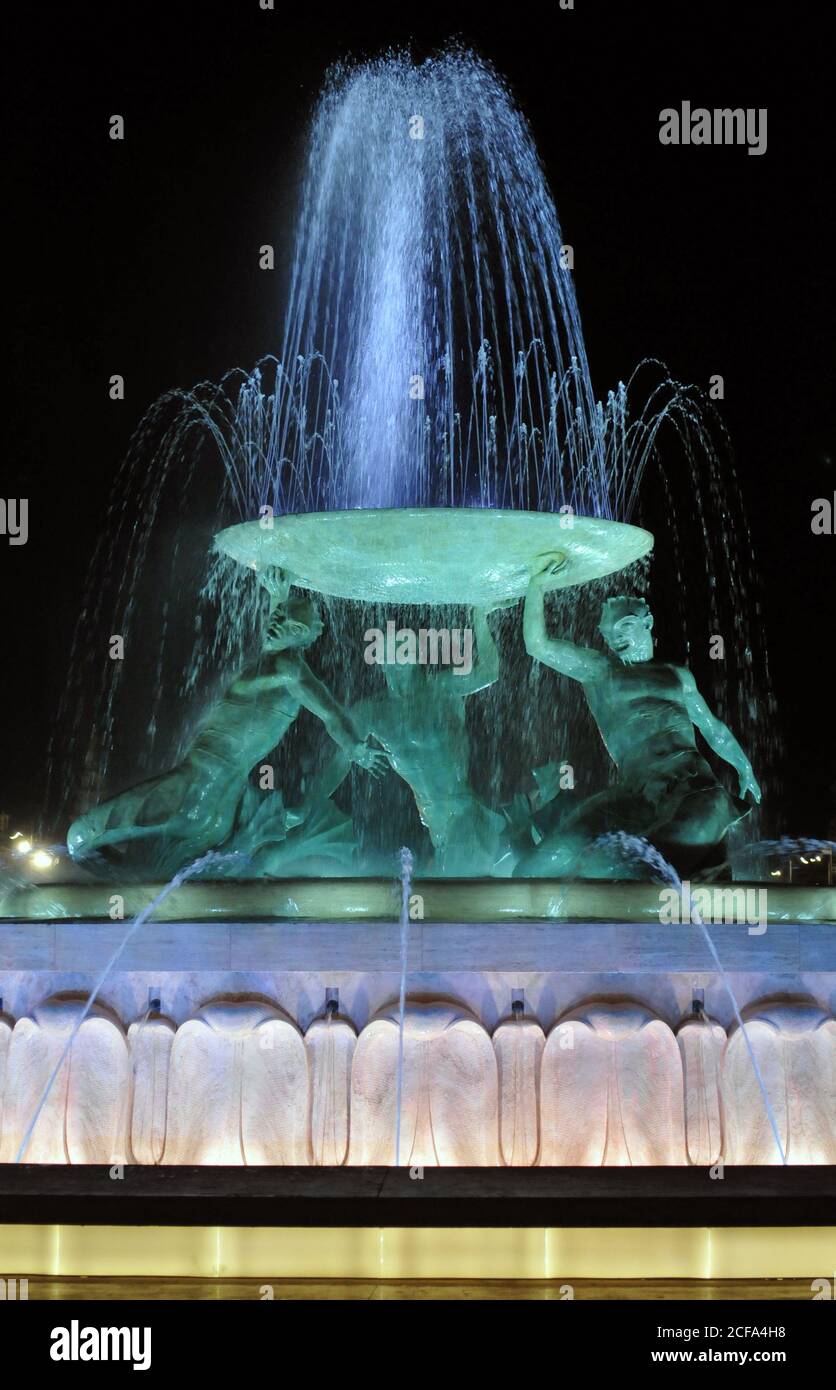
(276, 581)
(372, 759)
(749, 783)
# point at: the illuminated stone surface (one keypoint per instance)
(6, 1026)
(795, 1048)
(450, 1095)
(518, 1044)
(353, 899)
(701, 1045)
(330, 1045)
(85, 1118)
(238, 1089)
(150, 1041)
(611, 1089)
(237, 1083)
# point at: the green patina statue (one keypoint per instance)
(420, 722)
(646, 711)
(171, 819)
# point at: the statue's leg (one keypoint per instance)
(122, 817)
(700, 816)
(165, 820)
(552, 859)
(570, 849)
(447, 834)
(473, 839)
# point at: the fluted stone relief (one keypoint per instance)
(518, 1043)
(795, 1048)
(330, 1044)
(702, 1042)
(238, 1089)
(85, 1117)
(449, 1111)
(611, 1089)
(150, 1041)
(238, 1084)
(6, 1026)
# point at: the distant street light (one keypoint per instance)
(42, 859)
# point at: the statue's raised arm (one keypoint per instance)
(581, 663)
(478, 675)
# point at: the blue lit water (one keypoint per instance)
(430, 353)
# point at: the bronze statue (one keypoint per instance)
(420, 723)
(646, 712)
(169, 820)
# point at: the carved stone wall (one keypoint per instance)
(239, 1083)
(85, 1116)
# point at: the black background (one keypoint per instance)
(140, 258)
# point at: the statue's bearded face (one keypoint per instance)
(626, 629)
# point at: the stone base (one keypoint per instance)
(241, 1064)
(436, 900)
(445, 1197)
(785, 949)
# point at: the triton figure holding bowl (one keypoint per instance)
(646, 712)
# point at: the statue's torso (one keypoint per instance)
(425, 736)
(642, 715)
(244, 725)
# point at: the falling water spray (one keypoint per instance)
(180, 877)
(406, 889)
(633, 847)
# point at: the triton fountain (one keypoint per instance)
(434, 556)
(425, 454)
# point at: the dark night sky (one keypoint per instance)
(139, 258)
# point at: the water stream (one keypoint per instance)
(431, 353)
(406, 889)
(180, 877)
(633, 847)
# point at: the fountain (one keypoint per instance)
(425, 454)
(433, 556)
